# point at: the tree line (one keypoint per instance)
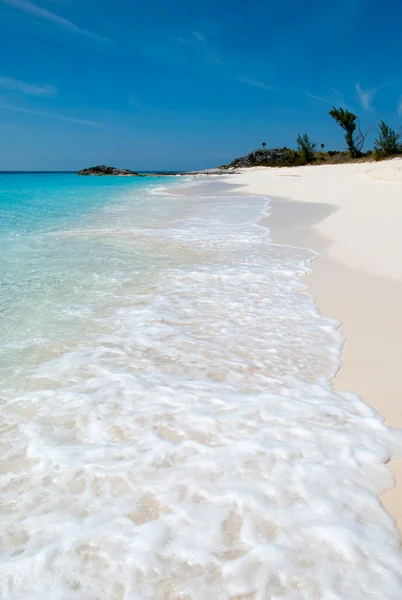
(388, 142)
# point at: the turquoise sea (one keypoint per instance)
(61, 255)
(168, 425)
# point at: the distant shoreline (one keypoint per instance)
(140, 173)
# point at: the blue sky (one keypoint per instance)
(180, 84)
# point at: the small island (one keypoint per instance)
(103, 170)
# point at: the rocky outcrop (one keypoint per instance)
(273, 157)
(214, 171)
(104, 170)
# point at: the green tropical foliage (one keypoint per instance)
(388, 142)
(306, 149)
(348, 121)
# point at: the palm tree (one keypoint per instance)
(322, 147)
(263, 145)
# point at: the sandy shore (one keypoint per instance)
(352, 216)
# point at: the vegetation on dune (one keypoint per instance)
(306, 149)
(388, 143)
(272, 157)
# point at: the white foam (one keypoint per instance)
(192, 446)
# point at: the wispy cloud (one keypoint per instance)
(198, 40)
(198, 36)
(31, 89)
(255, 83)
(365, 97)
(319, 98)
(47, 115)
(214, 57)
(202, 45)
(335, 98)
(47, 15)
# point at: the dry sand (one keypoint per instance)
(352, 215)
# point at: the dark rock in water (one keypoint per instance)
(104, 170)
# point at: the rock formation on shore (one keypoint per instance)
(273, 157)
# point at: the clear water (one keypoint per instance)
(65, 254)
(168, 426)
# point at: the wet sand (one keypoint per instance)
(351, 216)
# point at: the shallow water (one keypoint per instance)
(169, 429)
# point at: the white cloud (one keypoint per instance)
(213, 57)
(255, 83)
(198, 36)
(198, 40)
(319, 98)
(51, 115)
(335, 98)
(43, 13)
(365, 97)
(10, 83)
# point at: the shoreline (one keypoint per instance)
(346, 285)
(174, 394)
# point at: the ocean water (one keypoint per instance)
(169, 430)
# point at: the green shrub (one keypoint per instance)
(306, 149)
(290, 157)
(387, 143)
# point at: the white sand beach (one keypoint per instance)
(352, 215)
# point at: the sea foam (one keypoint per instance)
(189, 444)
